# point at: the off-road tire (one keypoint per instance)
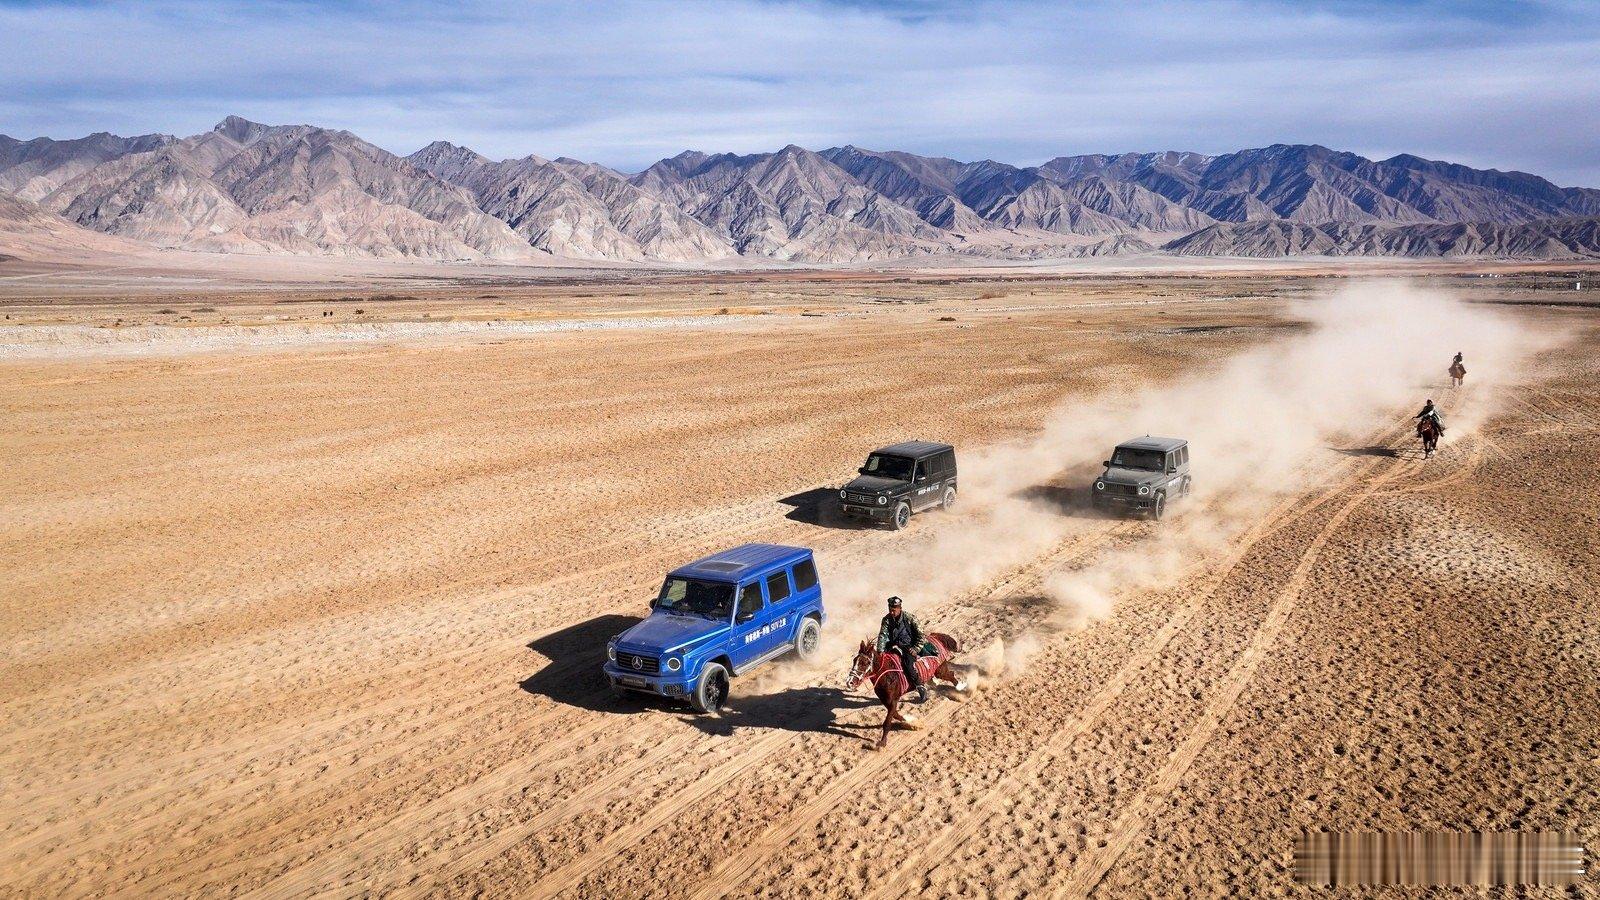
(1158, 508)
(808, 639)
(949, 497)
(902, 515)
(711, 692)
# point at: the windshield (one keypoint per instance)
(896, 467)
(700, 598)
(1133, 458)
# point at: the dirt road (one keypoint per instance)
(329, 620)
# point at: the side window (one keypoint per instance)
(805, 575)
(1172, 460)
(750, 599)
(777, 587)
(922, 468)
(947, 460)
(1183, 456)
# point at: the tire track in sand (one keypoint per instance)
(940, 845)
(1080, 880)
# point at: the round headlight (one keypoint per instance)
(841, 493)
(611, 652)
(883, 501)
(1144, 489)
(674, 664)
(1099, 485)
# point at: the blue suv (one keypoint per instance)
(718, 617)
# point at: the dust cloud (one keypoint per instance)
(1262, 426)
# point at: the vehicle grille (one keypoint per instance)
(867, 499)
(1127, 490)
(638, 662)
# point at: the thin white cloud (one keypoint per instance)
(626, 83)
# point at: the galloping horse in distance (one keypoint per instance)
(889, 680)
(1458, 374)
(1428, 430)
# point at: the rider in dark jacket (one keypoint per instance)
(901, 634)
(1429, 411)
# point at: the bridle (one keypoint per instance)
(858, 671)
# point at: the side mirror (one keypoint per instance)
(862, 471)
(1106, 463)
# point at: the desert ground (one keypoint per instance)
(305, 588)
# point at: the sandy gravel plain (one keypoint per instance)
(325, 616)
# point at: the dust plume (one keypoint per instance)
(1262, 425)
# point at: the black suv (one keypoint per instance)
(901, 479)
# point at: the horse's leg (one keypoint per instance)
(890, 701)
(947, 672)
(896, 694)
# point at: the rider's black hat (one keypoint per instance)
(894, 602)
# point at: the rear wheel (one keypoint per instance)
(711, 693)
(808, 639)
(902, 515)
(949, 497)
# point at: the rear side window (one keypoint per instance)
(1183, 456)
(947, 462)
(777, 587)
(750, 598)
(805, 575)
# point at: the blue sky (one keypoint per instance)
(625, 83)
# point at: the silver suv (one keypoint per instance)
(1143, 475)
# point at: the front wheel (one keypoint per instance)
(902, 515)
(712, 691)
(1159, 508)
(808, 639)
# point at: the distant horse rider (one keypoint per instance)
(1457, 361)
(1429, 411)
(901, 634)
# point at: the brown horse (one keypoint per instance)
(889, 680)
(1458, 374)
(1428, 430)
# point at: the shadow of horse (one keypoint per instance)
(805, 709)
(819, 507)
(1373, 450)
(576, 654)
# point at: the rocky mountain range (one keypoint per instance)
(299, 189)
